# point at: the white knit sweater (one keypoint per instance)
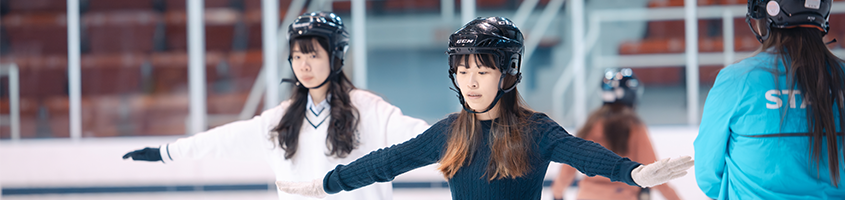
(381, 124)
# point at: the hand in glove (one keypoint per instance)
(308, 189)
(661, 171)
(146, 154)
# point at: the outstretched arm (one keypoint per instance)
(586, 156)
(240, 139)
(592, 159)
(378, 166)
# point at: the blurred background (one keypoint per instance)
(84, 81)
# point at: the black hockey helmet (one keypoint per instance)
(495, 36)
(789, 14)
(325, 25)
(620, 86)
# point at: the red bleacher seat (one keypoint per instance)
(744, 39)
(244, 68)
(707, 74)
(44, 6)
(47, 117)
(492, 4)
(219, 29)
(675, 28)
(256, 5)
(658, 76)
(36, 33)
(711, 44)
(748, 43)
(58, 108)
(733, 2)
(40, 75)
(170, 71)
(345, 7)
(652, 45)
(230, 103)
(28, 109)
(180, 5)
(112, 5)
(27, 106)
(106, 74)
(253, 23)
(411, 5)
(110, 32)
(30, 62)
(677, 45)
(741, 27)
(162, 114)
(43, 82)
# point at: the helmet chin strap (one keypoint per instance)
(495, 100)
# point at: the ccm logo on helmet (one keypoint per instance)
(463, 41)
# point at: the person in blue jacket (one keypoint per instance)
(771, 127)
(495, 148)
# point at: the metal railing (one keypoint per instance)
(11, 70)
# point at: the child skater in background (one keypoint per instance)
(616, 126)
(495, 148)
(326, 121)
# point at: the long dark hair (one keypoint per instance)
(341, 137)
(617, 121)
(509, 142)
(817, 73)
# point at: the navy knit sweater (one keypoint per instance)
(551, 143)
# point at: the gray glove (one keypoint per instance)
(308, 189)
(661, 171)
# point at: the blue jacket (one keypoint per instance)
(737, 155)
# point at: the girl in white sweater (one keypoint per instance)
(326, 121)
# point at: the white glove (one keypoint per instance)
(661, 171)
(308, 189)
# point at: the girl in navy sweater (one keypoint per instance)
(496, 148)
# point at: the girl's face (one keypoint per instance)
(311, 68)
(478, 83)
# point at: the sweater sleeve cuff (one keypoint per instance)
(164, 151)
(331, 183)
(625, 168)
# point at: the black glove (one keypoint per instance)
(146, 154)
